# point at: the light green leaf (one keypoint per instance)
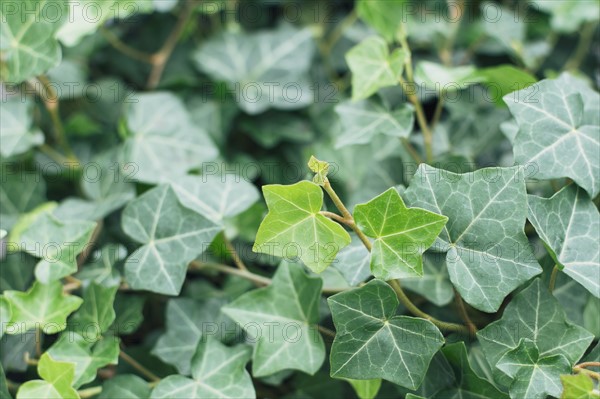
(57, 383)
(373, 343)
(534, 376)
(172, 236)
(435, 283)
(504, 79)
(362, 120)
(267, 69)
(401, 234)
(4, 385)
(126, 386)
(373, 67)
(229, 195)
(43, 306)
(366, 389)
(536, 315)
(102, 267)
(282, 319)
(442, 79)
(164, 143)
(567, 16)
(320, 169)
(488, 254)
(19, 193)
(217, 371)
(578, 386)
(56, 242)
(384, 16)
(28, 45)
(96, 314)
(17, 134)
(187, 321)
(559, 130)
(87, 356)
(5, 314)
(569, 225)
(353, 262)
(294, 228)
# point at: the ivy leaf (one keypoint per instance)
(187, 321)
(3, 384)
(275, 127)
(373, 343)
(29, 47)
(373, 67)
(362, 120)
(294, 227)
(43, 306)
(217, 371)
(87, 356)
(265, 69)
(569, 225)
(578, 386)
(97, 310)
(102, 269)
(19, 193)
(58, 243)
(385, 17)
(320, 169)
(353, 262)
(172, 236)
(126, 386)
(559, 130)
(442, 79)
(58, 378)
(17, 135)
(435, 283)
(504, 79)
(283, 316)
(164, 143)
(229, 195)
(366, 389)
(488, 254)
(401, 234)
(534, 376)
(536, 315)
(567, 16)
(5, 314)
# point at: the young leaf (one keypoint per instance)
(43, 306)
(385, 17)
(87, 356)
(373, 343)
(162, 152)
(536, 315)
(283, 317)
(172, 236)
(97, 311)
(293, 227)
(569, 225)
(58, 378)
(29, 47)
(127, 386)
(5, 314)
(362, 120)
(320, 169)
(16, 133)
(559, 130)
(534, 376)
(445, 79)
(373, 67)
(366, 389)
(488, 254)
(217, 372)
(578, 386)
(401, 234)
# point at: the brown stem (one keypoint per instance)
(583, 47)
(411, 150)
(462, 309)
(90, 245)
(136, 365)
(587, 364)
(421, 119)
(234, 255)
(553, 278)
(89, 392)
(255, 278)
(124, 48)
(326, 331)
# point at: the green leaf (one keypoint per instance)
(96, 314)
(567, 16)
(129, 311)
(353, 262)
(443, 79)
(5, 314)
(164, 143)
(385, 17)
(267, 69)
(591, 321)
(366, 389)
(87, 354)
(373, 343)
(57, 383)
(320, 169)
(229, 195)
(373, 67)
(569, 225)
(578, 386)
(559, 130)
(275, 127)
(29, 47)
(56, 242)
(172, 235)
(102, 268)
(435, 283)
(294, 228)
(534, 376)
(43, 306)
(504, 79)
(282, 320)
(401, 234)
(4, 385)
(217, 371)
(362, 120)
(17, 135)
(488, 254)
(19, 193)
(127, 386)
(536, 315)
(187, 322)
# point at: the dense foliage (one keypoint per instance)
(428, 225)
